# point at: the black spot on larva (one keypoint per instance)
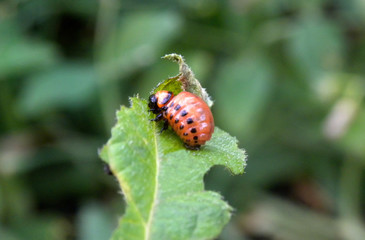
(187, 140)
(193, 130)
(189, 121)
(181, 126)
(183, 113)
(172, 104)
(195, 137)
(166, 99)
(185, 134)
(176, 120)
(177, 107)
(196, 141)
(171, 116)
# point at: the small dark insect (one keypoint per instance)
(187, 114)
(107, 169)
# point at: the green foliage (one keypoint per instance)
(19, 54)
(162, 181)
(124, 50)
(248, 80)
(316, 45)
(69, 86)
(94, 222)
(170, 84)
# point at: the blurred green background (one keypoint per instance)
(287, 78)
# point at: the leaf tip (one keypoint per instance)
(187, 78)
(174, 57)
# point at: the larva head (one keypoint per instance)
(159, 100)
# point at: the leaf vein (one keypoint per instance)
(150, 217)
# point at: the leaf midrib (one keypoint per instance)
(150, 217)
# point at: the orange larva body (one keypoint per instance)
(187, 114)
(191, 118)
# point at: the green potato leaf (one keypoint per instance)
(169, 84)
(162, 181)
